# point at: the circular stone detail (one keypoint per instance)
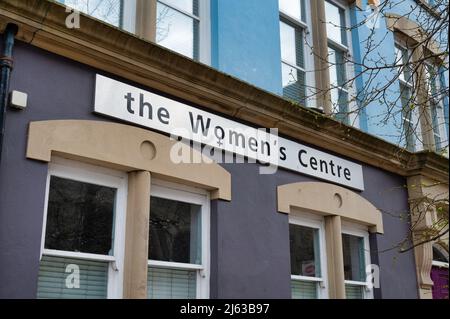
(148, 150)
(338, 200)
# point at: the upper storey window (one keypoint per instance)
(295, 51)
(110, 11)
(177, 26)
(336, 26)
(181, 25)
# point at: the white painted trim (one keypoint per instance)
(199, 197)
(174, 265)
(303, 218)
(306, 278)
(293, 21)
(439, 264)
(180, 187)
(88, 173)
(343, 48)
(362, 231)
(355, 283)
(293, 66)
(77, 255)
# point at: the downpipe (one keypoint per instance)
(6, 66)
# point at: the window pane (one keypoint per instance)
(304, 246)
(174, 231)
(80, 217)
(335, 21)
(177, 31)
(438, 255)
(353, 249)
(171, 283)
(105, 10)
(408, 125)
(190, 6)
(353, 292)
(291, 41)
(436, 127)
(432, 80)
(337, 67)
(402, 59)
(52, 282)
(294, 8)
(339, 100)
(293, 84)
(303, 289)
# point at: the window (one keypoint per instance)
(338, 48)
(307, 260)
(295, 51)
(119, 13)
(436, 107)
(178, 265)
(181, 25)
(409, 121)
(177, 26)
(356, 253)
(82, 252)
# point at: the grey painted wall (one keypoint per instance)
(250, 241)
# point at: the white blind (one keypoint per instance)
(166, 283)
(52, 279)
(353, 292)
(303, 289)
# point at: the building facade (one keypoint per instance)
(99, 200)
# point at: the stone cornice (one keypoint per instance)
(42, 24)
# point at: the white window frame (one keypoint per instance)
(303, 218)
(442, 131)
(353, 116)
(196, 196)
(362, 232)
(87, 173)
(204, 31)
(308, 56)
(409, 83)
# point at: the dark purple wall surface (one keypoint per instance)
(249, 238)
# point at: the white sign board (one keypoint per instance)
(131, 104)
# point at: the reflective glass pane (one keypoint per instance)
(407, 110)
(293, 84)
(292, 8)
(190, 6)
(304, 247)
(175, 231)
(291, 41)
(79, 217)
(177, 31)
(354, 265)
(105, 10)
(402, 59)
(336, 67)
(339, 100)
(335, 21)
